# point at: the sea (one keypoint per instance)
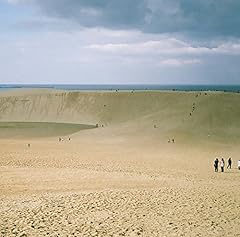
(125, 87)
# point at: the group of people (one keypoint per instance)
(99, 125)
(171, 140)
(222, 164)
(60, 139)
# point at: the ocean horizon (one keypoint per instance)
(124, 87)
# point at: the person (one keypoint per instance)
(222, 164)
(216, 164)
(229, 163)
(239, 164)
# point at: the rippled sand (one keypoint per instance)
(68, 189)
(122, 179)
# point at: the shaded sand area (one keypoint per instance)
(122, 178)
(39, 129)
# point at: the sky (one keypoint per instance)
(119, 42)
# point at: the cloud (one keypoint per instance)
(61, 57)
(167, 46)
(179, 62)
(218, 18)
(18, 2)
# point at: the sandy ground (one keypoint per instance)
(117, 181)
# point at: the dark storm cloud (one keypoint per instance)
(94, 13)
(206, 17)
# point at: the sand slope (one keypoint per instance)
(215, 114)
(39, 129)
(122, 179)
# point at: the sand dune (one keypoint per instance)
(39, 129)
(122, 179)
(215, 114)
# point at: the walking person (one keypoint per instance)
(216, 164)
(229, 163)
(222, 164)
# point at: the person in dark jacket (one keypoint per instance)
(216, 164)
(229, 163)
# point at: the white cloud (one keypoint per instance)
(179, 62)
(108, 56)
(168, 46)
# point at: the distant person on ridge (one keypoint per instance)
(229, 163)
(222, 164)
(216, 165)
